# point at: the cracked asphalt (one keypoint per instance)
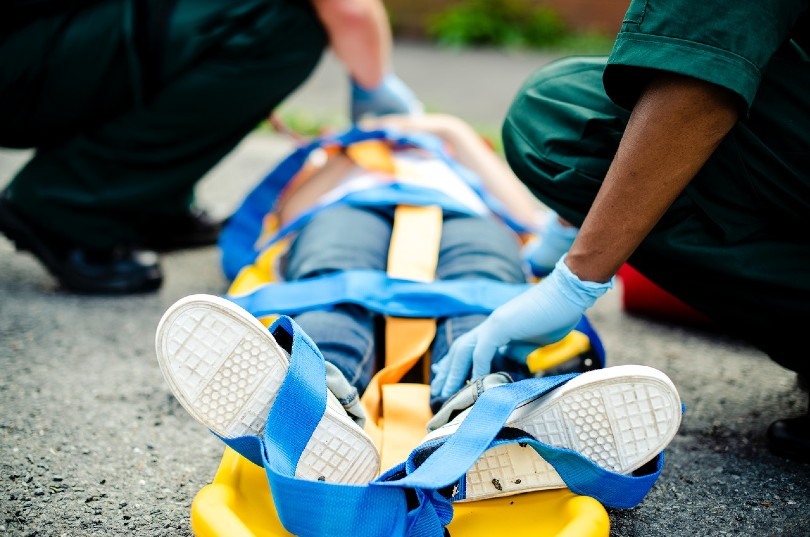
(92, 442)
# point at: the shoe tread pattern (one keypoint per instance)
(335, 451)
(226, 372)
(617, 424)
(219, 367)
(510, 469)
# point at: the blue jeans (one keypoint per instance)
(342, 237)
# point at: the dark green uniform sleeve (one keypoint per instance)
(726, 42)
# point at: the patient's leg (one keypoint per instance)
(345, 336)
(475, 247)
(342, 238)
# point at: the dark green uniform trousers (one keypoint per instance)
(736, 243)
(130, 102)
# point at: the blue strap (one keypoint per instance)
(237, 238)
(244, 227)
(459, 451)
(314, 508)
(585, 327)
(380, 509)
(250, 447)
(436, 146)
(376, 291)
(479, 430)
(300, 402)
(583, 476)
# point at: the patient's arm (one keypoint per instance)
(315, 186)
(470, 151)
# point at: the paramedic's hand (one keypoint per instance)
(543, 314)
(555, 238)
(392, 96)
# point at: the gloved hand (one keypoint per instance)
(543, 314)
(392, 96)
(554, 240)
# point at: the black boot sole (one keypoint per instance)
(25, 238)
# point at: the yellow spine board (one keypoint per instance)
(238, 503)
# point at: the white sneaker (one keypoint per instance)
(619, 417)
(226, 368)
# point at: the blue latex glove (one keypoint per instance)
(555, 240)
(392, 96)
(544, 314)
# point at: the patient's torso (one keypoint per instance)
(414, 166)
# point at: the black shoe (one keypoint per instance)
(180, 231)
(790, 438)
(119, 270)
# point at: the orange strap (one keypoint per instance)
(413, 253)
(375, 155)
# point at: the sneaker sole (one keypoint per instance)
(619, 417)
(225, 369)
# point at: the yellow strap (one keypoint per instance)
(413, 253)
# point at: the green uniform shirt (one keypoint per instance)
(726, 42)
(734, 243)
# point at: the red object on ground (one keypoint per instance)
(641, 296)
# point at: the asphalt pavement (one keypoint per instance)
(93, 443)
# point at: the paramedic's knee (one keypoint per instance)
(561, 133)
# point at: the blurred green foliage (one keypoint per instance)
(510, 23)
(585, 43)
(497, 22)
(310, 125)
(307, 123)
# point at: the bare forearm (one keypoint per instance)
(359, 35)
(676, 125)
